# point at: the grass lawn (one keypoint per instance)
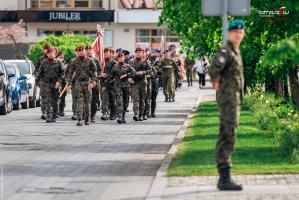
(256, 152)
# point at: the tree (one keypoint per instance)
(66, 43)
(14, 34)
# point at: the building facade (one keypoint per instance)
(127, 23)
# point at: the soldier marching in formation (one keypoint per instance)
(89, 82)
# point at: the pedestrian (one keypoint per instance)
(155, 82)
(169, 71)
(50, 75)
(85, 75)
(142, 68)
(46, 47)
(201, 67)
(95, 101)
(189, 63)
(121, 73)
(226, 74)
(108, 92)
(61, 106)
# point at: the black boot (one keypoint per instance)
(48, 119)
(74, 117)
(92, 118)
(148, 115)
(140, 118)
(54, 118)
(43, 117)
(79, 123)
(144, 117)
(225, 182)
(61, 114)
(135, 118)
(104, 117)
(86, 121)
(119, 120)
(166, 99)
(123, 119)
(113, 116)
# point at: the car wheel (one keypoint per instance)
(17, 106)
(4, 107)
(32, 104)
(25, 105)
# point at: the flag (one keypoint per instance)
(98, 46)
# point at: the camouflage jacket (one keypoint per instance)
(107, 69)
(38, 63)
(117, 71)
(50, 72)
(189, 63)
(143, 66)
(166, 70)
(227, 69)
(157, 65)
(98, 66)
(82, 71)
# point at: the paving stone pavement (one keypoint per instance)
(105, 160)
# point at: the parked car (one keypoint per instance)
(26, 68)
(19, 87)
(5, 91)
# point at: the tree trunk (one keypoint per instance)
(294, 85)
(278, 88)
(286, 90)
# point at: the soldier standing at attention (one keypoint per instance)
(50, 74)
(139, 87)
(85, 79)
(227, 78)
(169, 70)
(95, 102)
(122, 73)
(46, 47)
(108, 100)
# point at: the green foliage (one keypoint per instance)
(65, 43)
(278, 117)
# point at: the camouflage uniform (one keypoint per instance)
(227, 69)
(49, 73)
(169, 70)
(95, 102)
(121, 88)
(139, 87)
(155, 87)
(85, 73)
(189, 63)
(36, 71)
(63, 84)
(74, 100)
(149, 92)
(108, 92)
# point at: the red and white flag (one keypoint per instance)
(98, 46)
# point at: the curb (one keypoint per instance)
(160, 180)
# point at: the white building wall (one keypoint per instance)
(9, 4)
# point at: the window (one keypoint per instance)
(66, 4)
(156, 38)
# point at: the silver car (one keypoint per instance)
(26, 68)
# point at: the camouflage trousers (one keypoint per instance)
(155, 91)
(74, 100)
(50, 97)
(122, 94)
(189, 75)
(169, 85)
(42, 106)
(83, 99)
(62, 98)
(108, 100)
(138, 95)
(148, 96)
(105, 101)
(229, 119)
(95, 102)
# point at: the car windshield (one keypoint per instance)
(11, 69)
(22, 66)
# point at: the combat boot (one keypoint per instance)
(92, 118)
(144, 117)
(86, 121)
(173, 100)
(74, 117)
(104, 117)
(54, 118)
(166, 99)
(43, 117)
(61, 114)
(225, 182)
(48, 119)
(119, 120)
(79, 123)
(113, 116)
(148, 115)
(135, 118)
(140, 118)
(123, 119)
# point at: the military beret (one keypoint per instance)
(120, 54)
(126, 52)
(139, 49)
(80, 48)
(112, 50)
(236, 24)
(158, 51)
(106, 49)
(46, 46)
(50, 50)
(119, 50)
(88, 47)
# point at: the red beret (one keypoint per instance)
(106, 49)
(50, 50)
(46, 46)
(120, 54)
(80, 48)
(139, 49)
(88, 47)
(112, 50)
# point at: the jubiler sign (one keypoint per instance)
(67, 16)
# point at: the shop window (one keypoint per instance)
(81, 4)
(60, 4)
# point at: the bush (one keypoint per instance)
(65, 43)
(280, 119)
